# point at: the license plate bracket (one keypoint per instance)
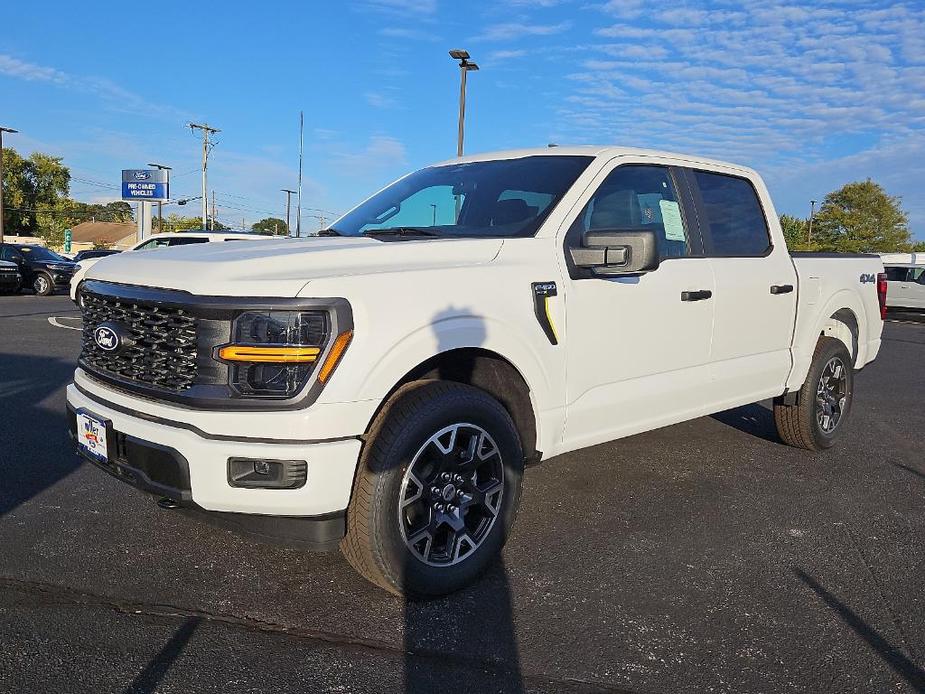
(93, 434)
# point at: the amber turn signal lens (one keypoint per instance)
(333, 358)
(269, 355)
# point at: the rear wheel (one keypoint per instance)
(436, 492)
(824, 401)
(42, 285)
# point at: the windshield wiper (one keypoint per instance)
(330, 231)
(401, 231)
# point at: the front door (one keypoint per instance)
(638, 347)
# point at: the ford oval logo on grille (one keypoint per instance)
(112, 337)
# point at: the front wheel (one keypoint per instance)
(436, 492)
(823, 402)
(42, 285)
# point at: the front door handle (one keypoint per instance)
(696, 296)
(781, 288)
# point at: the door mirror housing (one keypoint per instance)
(615, 252)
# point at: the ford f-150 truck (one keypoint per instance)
(382, 387)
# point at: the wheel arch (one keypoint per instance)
(489, 371)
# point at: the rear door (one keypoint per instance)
(755, 298)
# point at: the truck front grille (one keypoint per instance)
(163, 341)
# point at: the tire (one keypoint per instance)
(42, 284)
(427, 516)
(823, 402)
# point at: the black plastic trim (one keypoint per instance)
(196, 430)
(818, 254)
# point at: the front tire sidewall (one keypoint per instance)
(415, 577)
(835, 349)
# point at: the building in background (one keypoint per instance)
(117, 235)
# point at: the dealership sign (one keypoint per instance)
(145, 184)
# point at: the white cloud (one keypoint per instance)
(116, 97)
(380, 100)
(498, 56)
(381, 153)
(405, 8)
(515, 30)
(408, 34)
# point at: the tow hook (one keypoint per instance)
(168, 504)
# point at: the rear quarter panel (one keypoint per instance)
(828, 285)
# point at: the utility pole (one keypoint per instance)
(812, 213)
(2, 130)
(212, 221)
(160, 203)
(207, 131)
(298, 212)
(289, 194)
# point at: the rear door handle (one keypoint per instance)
(781, 288)
(696, 296)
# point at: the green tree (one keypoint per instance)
(860, 217)
(794, 229)
(271, 226)
(918, 247)
(39, 181)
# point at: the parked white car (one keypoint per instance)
(906, 284)
(170, 240)
(384, 386)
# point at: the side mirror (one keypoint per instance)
(614, 252)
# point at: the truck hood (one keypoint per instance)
(283, 268)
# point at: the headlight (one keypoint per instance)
(61, 268)
(274, 352)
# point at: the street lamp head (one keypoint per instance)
(7, 130)
(160, 166)
(470, 66)
(459, 54)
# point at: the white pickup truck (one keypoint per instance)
(383, 386)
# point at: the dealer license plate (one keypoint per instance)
(91, 436)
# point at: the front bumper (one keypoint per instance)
(9, 280)
(180, 461)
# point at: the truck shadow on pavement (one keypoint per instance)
(755, 420)
(898, 661)
(36, 451)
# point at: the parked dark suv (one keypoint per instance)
(41, 269)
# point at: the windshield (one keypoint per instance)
(42, 253)
(509, 197)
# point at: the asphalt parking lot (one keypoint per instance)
(702, 557)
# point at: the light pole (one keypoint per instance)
(464, 67)
(812, 213)
(160, 203)
(2, 130)
(289, 194)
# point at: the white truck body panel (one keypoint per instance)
(631, 356)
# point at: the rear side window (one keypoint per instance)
(734, 223)
(896, 274)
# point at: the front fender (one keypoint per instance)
(452, 333)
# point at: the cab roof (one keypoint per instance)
(607, 151)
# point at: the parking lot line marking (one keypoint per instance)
(54, 321)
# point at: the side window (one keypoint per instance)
(896, 274)
(637, 197)
(917, 274)
(180, 241)
(734, 223)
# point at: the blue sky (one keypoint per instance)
(812, 94)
